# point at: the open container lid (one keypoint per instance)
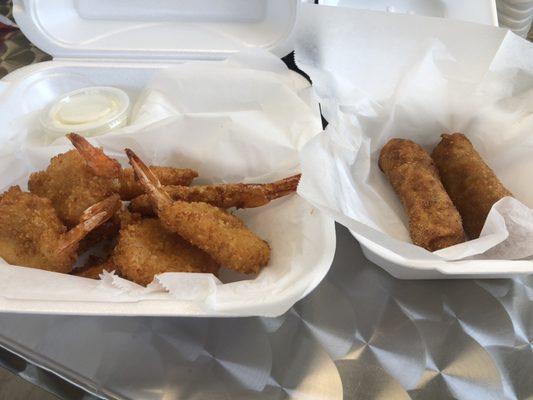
(156, 29)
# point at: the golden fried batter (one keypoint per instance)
(239, 195)
(220, 234)
(102, 165)
(105, 232)
(471, 184)
(71, 186)
(108, 231)
(126, 217)
(130, 188)
(80, 178)
(32, 235)
(434, 222)
(145, 249)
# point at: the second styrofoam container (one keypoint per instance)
(480, 11)
(410, 77)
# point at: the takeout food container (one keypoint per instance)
(429, 77)
(106, 43)
(479, 11)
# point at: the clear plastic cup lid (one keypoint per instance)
(88, 111)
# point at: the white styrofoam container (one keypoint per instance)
(420, 266)
(124, 43)
(479, 11)
(160, 30)
(403, 268)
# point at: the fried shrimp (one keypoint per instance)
(130, 188)
(79, 178)
(71, 186)
(221, 235)
(102, 165)
(97, 161)
(239, 195)
(145, 249)
(32, 235)
(108, 231)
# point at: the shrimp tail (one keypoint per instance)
(98, 162)
(91, 218)
(283, 187)
(149, 181)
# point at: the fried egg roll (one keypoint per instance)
(471, 184)
(434, 222)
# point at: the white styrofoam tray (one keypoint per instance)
(349, 94)
(158, 29)
(18, 99)
(402, 268)
(105, 43)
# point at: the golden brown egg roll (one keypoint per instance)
(434, 222)
(471, 184)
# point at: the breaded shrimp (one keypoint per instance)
(108, 231)
(126, 217)
(130, 188)
(239, 195)
(220, 234)
(32, 235)
(80, 178)
(71, 186)
(105, 232)
(145, 249)
(104, 166)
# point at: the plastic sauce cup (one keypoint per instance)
(88, 111)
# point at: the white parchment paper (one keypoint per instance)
(380, 77)
(244, 119)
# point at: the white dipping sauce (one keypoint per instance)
(89, 111)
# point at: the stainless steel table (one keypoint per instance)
(361, 334)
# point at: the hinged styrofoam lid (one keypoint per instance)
(156, 29)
